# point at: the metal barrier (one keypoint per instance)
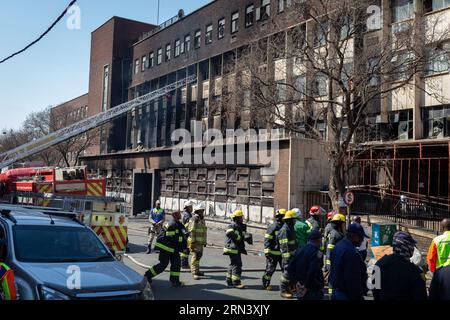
(402, 210)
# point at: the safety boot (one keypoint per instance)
(149, 249)
(269, 288)
(239, 286)
(286, 295)
(178, 284)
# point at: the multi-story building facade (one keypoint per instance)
(206, 43)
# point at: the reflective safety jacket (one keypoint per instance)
(334, 236)
(171, 238)
(157, 215)
(439, 252)
(7, 287)
(197, 231)
(234, 240)
(288, 242)
(271, 244)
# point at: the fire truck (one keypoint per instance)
(70, 189)
(46, 186)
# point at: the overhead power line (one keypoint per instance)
(42, 35)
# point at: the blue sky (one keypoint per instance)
(56, 69)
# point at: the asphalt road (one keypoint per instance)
(213, 285)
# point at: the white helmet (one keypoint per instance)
(200, 206)
(188, 203)
(298, 212)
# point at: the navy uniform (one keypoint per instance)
(184, 254)
(272, 249)
(171, 241)
(288, 246)
(234, 247)
(306, 269)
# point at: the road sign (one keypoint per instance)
(349, 198)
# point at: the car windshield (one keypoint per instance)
(53, 244)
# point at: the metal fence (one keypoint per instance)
(402, 210)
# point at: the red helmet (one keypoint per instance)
(314, 211)
(330, 215)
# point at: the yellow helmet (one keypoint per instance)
(281, 212)
(290, 215)
(237, 214)
(339, 217)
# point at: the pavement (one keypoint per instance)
(213, 263)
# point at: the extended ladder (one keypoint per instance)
(83, 126)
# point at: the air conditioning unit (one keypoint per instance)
(403, 130)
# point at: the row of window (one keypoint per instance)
(404, 9)
(182, 46)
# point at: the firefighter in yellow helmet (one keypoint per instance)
(288, 246)
(336, 234)
(235, 239)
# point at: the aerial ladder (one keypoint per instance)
(34, 147)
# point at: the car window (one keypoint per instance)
(53, 244)
(3, 251)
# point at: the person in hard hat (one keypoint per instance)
(348, 275)
(329, 225)
(272, 249)
(305, 269)
(197, 238)
(400, 279)
(186, 216)
(314, 218)
(301, 228)
(7, 281)
(336, 234)
(170, 242)
(235, 239)
(439, 252)
(156, 218)
(288, 246)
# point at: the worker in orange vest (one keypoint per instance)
(439, 252)
(7, 286)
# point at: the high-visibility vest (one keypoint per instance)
(7, 287)
(439, 252)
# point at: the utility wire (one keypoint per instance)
(42, 35)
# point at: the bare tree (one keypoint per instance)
(326, 78)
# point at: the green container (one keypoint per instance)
(383, 234)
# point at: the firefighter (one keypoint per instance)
(170, 243)
(236, 236)
(328, 227)
(272, 249)
(156, 218)
(314, 218)
(288, 246)
(7, 283)
(187, 215)
(336, 234)
(197, 239)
